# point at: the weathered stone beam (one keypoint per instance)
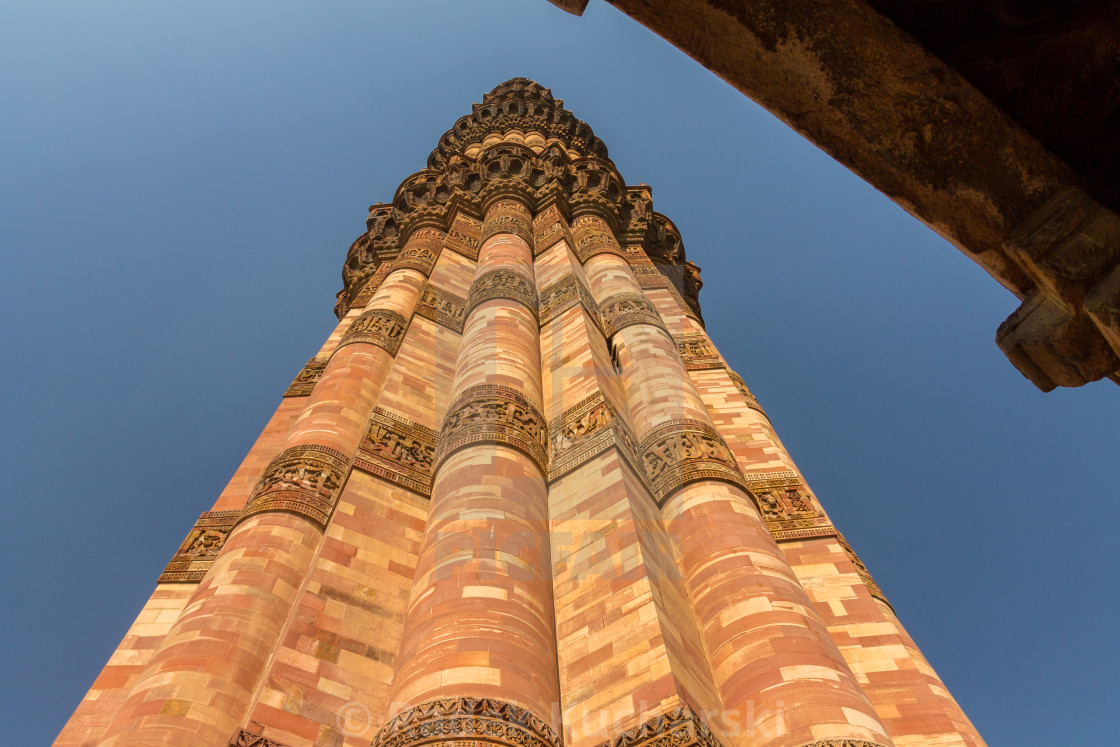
(877, 101)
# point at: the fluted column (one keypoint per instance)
(199, 684)
(781, 678)
(480, 619)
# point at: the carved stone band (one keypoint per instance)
(506, 284)
(862, 572)
(467, 722)
(698, 352)
(627, 309)
(591, 241)
(306, 379)
(399, 450)
(442, 307)
(246, 738)
(197, 553)
(492, 413)
(508, 217)
(303, 480)
(787, 506)
(683, 451)
(586, 430)
(563, 295)
(676, 728)
(841, 742)
(421, 251)
(748, 396)
(464, 236)
(379, 327)
(548, 228)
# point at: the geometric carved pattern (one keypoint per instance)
(467, 722)
(683, 451)
(677, 728)
(197, 553)
(584, 431)
(563, 295)
(246, 738)
(492, 413)
(548, 228)
(305, 380)
(862, 571)
(508, 217)
(304, 480)
(625, 309)
(398, 450)
(442, 308)
(787, 506)
(697, 352)
(505, 284)
(842, 743)
(379, 327)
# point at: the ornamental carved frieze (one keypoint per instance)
(626, 309)
(788, 508)
(549, 227)
(508, 217)
(748, 396)
(584, 431)
(467, 722)
(679, 727)
(195, 556)
(399, 450)
(861, 571)
(842, 742)
(591, 236)
(681, 451)
(492, 413)
(507, 284)
(421, 252)
(306, 379)
(379, 327)
(464, 237)
(442, 307)
(367, 290)
(563, 295)
(647, 275)
(303, 480)
(246, 738)
(698, 352)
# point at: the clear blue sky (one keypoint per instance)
(179, 183)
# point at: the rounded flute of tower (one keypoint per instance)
(199, 684)
(782, 680)
(479, 633)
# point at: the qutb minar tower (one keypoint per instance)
(518, 499)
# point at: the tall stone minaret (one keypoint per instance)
(518, 499)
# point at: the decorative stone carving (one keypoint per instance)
(626, 309)
(421, 252)
(464, 237)
(698, 352)
(492, 413)
(197, 553)
(842, 743)
(584, 431)
(683, 451)
(676, 728)
(506, 284)
(647, 274)
(366, 293)
(245, 738)
(398, 450)
(304, 480)
(549, 227)
(748, 396)
(591, 237)
(563, 295)
(379, 327)
(787, 506)
(861, 570)
(306, 379)
(508, 217)
(467, 721)
(442, 307)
